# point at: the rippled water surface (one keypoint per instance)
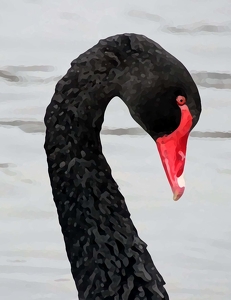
(190, 241)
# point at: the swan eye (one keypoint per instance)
(181, 100)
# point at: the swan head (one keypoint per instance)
(168, 113)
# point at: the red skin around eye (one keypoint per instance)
(172, 150)
(181, 100)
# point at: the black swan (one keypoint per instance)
(108, 259)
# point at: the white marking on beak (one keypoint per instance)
(181, 181)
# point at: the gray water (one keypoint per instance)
(190, 241)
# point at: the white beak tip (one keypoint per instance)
(181, 181)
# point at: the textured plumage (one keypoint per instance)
(108, 259)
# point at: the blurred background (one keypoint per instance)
(190, 241)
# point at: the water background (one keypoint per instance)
(190, 241)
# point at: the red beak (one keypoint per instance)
(172, 150)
